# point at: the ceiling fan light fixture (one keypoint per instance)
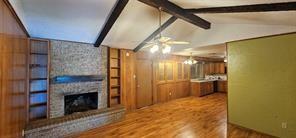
(154, 48)
(190, 60)
(166, 49)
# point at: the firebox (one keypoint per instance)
(81, 102)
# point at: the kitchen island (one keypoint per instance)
(205, 87)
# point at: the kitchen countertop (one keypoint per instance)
(197, 80)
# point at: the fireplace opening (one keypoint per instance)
(81, 102)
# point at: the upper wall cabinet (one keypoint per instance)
(186, 72)
(179, 71)
(160, 70)
(214, 68)
(169, 71)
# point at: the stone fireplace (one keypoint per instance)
(80, 102)
(76, 59)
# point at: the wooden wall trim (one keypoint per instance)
(8, 4)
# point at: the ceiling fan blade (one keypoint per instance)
(149, 42)
(177, 42)
(149, 45)
(164, 39)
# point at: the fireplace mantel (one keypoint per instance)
(76, 78)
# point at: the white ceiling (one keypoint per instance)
(212, 51)
(81, 21)
(138, 21)
(219, 3)
(73, 20)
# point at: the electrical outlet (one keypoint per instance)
(284, 125)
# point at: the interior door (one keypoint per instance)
(144, 83)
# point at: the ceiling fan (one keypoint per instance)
(162, 42)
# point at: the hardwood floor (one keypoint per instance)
(187, 117)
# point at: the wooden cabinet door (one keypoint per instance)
(162, 91)
(144, 83)
(160, 75)
(179, 89)
(169, 71)
(195, 89)
(186, 72)
(222, 86)
(203, 88)
(212, 68)
(222, 68)
(171, 91)
(206, 69)
(179, 71)
(210, 87)
(186, 90)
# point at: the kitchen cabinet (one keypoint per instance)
(171, 91)
(214, 68)
(222, 86)
(202, 88)
(169, 71)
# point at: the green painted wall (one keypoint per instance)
(262, 84)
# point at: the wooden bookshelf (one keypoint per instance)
(114, 83)
(38, 83)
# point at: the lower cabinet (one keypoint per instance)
(222, 86)
(201, 88)
(171, 91)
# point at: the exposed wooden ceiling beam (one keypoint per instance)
(286, 6)
(111, 20)
(155, 33)
(178, 12)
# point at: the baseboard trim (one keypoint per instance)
(249, 129)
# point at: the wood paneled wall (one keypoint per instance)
(128, 88)
(171, 78)
(13, 74)
(162, 91)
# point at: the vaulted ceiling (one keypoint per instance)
(73, 20)
(82, 21)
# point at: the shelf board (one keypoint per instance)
(115, 67)
(38, 104)
(115, 86)
(37, 65)
(114, 104)
(35, 79)
(39, 53)
(35, 92)
(115, 95)
(114, 58)
(37, 118)
(115, 77)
